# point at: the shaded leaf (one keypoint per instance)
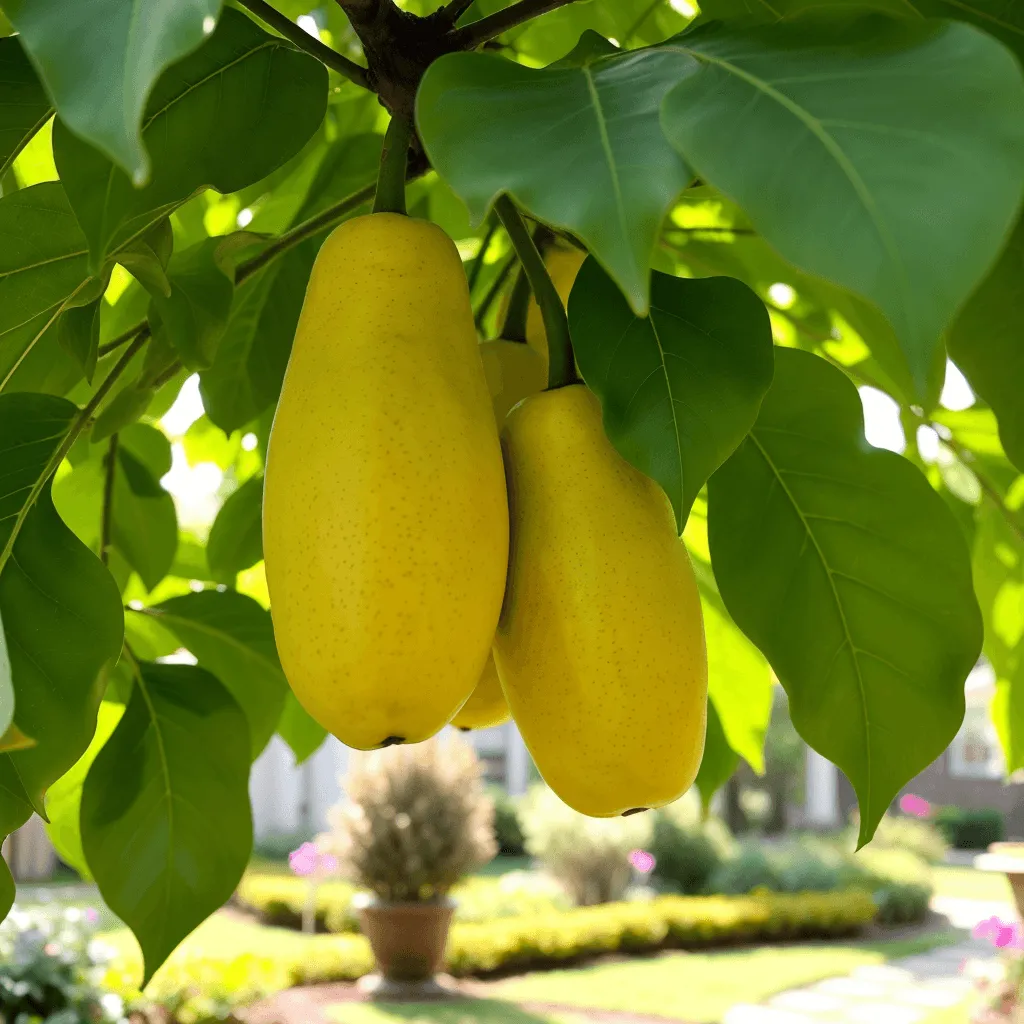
(681, 387)
(719, 761)
(78, 331)
(869, 129)
(580, 148)
(15, 739)
(144, 525)
(64, 797)
(849, 572)
(300, 730)
(146, 258)
(6, 685)
(236, 537)
(165, 820)
(232, 636)
(224, 117)
(24, 105)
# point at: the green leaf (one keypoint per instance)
(850, 573)
(61, 613)
(42, 263)
(999, 584)
(224, 117)
(146, 258)
(236, 537)
(100, 62)
(144, 526)
(681, 387)
(78, 332)
(299, 730)
(985, 342)
(233, 637)
(580, 148)
(350, 164)
(24, 105)
(166, 826)
(848, 146)
(248, 368)
(64, 797)
(719, 761)
(195, 312)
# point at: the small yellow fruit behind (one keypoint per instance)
(563, 265)
(600, 648)
(487, 706)
(385, 515)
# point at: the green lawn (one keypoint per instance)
(477, 1011)
(970, 884)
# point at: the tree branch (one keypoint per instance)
(455, 9)
(108, 499)
(122, 339)
(304, 41)
(472, 35)
(78, 424)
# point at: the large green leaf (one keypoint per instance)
(61, 614)
(233, 637)
(64, 797)
(145, 524)
(579, 147)
(236, 537)
(247, 371)
(848, 145)
(299, 730)
(852, 576)
(999, 584)
(101, 59)
(987, 342)
(6, 685)
(24, 106)
(679, 388)
(42, 262)
(166, 826)
(224, 117)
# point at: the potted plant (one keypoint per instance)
(416, 820)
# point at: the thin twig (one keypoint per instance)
(78, 424)
(108, 499)
(121, 339)
(457, 8)
(477, 265)
(304, 41)
(307, 229)
(495, 290)
(477, 32)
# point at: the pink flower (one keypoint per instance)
(642, 861)
(303, 860)
(915, 806)
(1002, 934)
(92, 915)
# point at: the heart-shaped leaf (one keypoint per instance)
(679, 388)
(852, 576)
(24, 105)
(236, 537)
(579, 147)
(848, 145)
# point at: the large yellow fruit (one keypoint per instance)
(563, 265)
(600, 647)
(487, 705)
(385, 518)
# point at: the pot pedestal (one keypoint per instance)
(408, 941)
(1007, 858)
(376, 986)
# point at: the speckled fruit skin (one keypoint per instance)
(385, 519)
(486, 706)
(600, 648)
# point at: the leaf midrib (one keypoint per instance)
(866, 814)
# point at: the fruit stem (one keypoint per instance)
(562, 365)
(394, 160)
(514, 328)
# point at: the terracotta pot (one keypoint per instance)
(407, 939)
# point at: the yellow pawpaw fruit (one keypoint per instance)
(486, 706)
(513, 371)
(385, 520)
(563, 265)
(600, 647)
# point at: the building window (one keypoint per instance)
(975, 752)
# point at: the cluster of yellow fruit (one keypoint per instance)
(388, 516)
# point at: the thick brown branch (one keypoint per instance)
(494, 25)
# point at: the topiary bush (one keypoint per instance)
(971, 828)
(417, 820)
(750, 867)
(589, 856)
(919, 836)
(508, 830)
